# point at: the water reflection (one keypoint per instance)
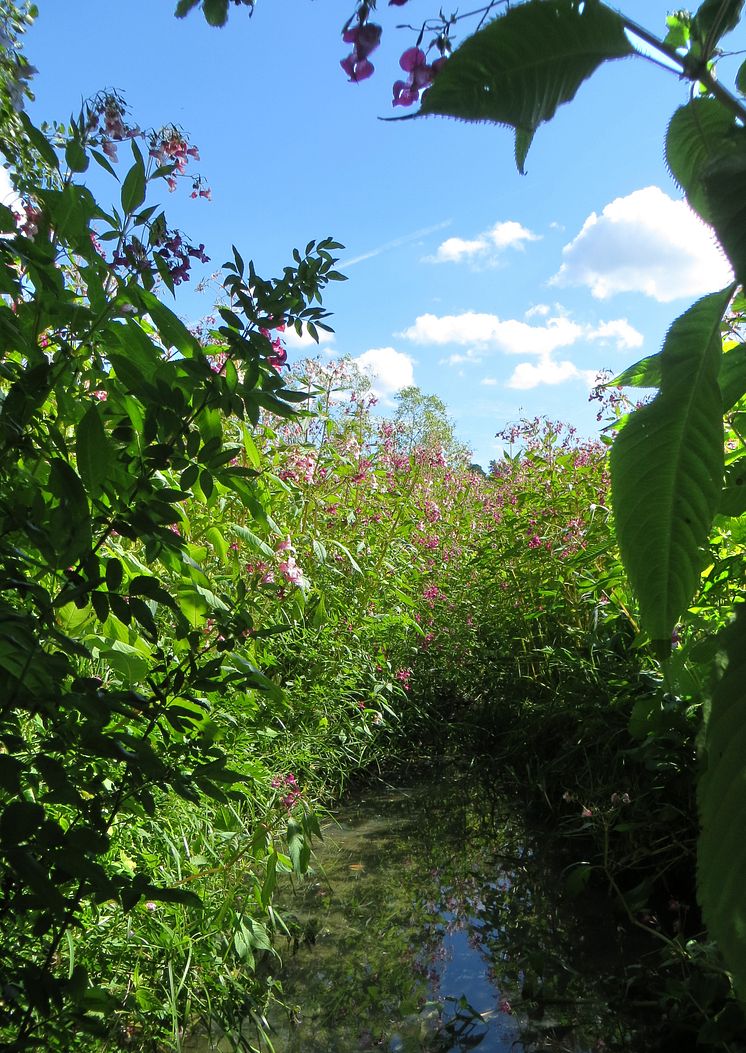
(434, 921)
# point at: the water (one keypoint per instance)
(436, 920)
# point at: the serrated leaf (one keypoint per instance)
(520, 68)
(93, 451)
(725, 186)
(184, 7)
(721, 851)
(667, 470)
(695, 137)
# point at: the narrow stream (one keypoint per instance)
(436, 920)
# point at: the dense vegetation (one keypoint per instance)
(226, 588)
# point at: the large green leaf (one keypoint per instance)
(725, 185)
(643, 374)
(521, 67)
(721, 792)
(714, 19)
(667, 470)
(706, 152)
(694, 138)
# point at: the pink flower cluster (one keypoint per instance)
(404, 676)
(169, 147)
(290, 784)
(365, 38)
(421, 75)
(279, 355)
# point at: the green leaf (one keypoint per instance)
(76, 157)
(184, 7)
(520, 68)
(216, 11)
(643, 374)
(171, 329)
(93, 451)
(721, 853)
(741, 78)
(695, 137)
(714, 19)
(733, 497)
(133, 188)
(725, 185)
(732, 378)
(667, 470)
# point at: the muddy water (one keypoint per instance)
(437, 920)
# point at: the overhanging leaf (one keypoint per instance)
(667, 470)
(721, 852)
(521, 67)
(725, 185)
(694, 138)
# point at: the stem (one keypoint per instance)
(699, 73)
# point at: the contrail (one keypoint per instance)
(344, 264)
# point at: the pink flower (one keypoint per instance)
(291, 571)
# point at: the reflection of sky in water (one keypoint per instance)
(414, 908)
(463, 972)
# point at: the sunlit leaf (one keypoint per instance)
(667, 470)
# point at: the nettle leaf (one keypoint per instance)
(725, 185)
(520, 68)
(706, 152)
(721, 852)
(667, 470)
(694, 138)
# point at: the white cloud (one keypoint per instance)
(646, 242)
(305, 342)
(618, 331)
(510, 234)
(488, 331)
(389, 370)
(486, 247)
(453, 250)
(539, 310)
(531, 374)
(488, 382)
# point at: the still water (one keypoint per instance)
(437, 920)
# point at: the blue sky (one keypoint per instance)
(501, 293)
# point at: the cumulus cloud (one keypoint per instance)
(486, 247)
(646, 242)
(389, 370)
(618, 332)
(531, 374)
(306, 342)
(481, 332)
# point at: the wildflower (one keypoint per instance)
(586, 813)
(291, 571)
(365, 38)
